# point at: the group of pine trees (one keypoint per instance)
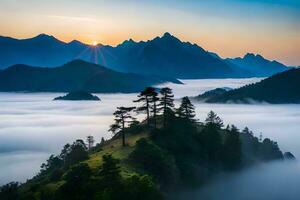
(152, 104)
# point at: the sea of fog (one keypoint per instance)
(32, 127)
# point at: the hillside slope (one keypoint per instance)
(280, 88)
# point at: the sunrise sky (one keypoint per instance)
(228, 27)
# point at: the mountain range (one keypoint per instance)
(165, 55)
(258, 65)
(76, 75)
(277, 89)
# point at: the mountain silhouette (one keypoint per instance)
(258, 65)
(165, 56)
(42, 50)
(77, 75)
(169, 55)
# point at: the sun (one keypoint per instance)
(95, 43)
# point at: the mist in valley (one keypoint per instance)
(269, 181)
(32, 127)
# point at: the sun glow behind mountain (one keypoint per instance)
(95, 43)
(230, 28)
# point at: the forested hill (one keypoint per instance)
(280, 88)
(150, 159)
(77, 75)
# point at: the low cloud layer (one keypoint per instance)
(32, 126)
(269, 181)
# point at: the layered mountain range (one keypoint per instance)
(76, 75)
(164, 56)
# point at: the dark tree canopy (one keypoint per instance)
(75, 153)
(122, 118)
(77, 177)
(232, 150)
(154, 107)
(213, 120)
(166, 104)
(90, 141)
(9, 191)
(186, 109)
(145, 98)
(110, 170)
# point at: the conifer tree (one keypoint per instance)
(166, 103)
(186, 109)
(102, 141)
(211, 133)
(232, 150)
(122, 118)
(213, 120)
(154, 99)
(145, 97)
(110, 170)
(90, 141)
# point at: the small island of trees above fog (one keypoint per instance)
(149, 159)
(77, 96)
(279, 88)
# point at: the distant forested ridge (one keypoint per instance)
(167, 151)
(277, 89)
(77, 75)
(165, 55)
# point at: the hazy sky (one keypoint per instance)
(228, 27)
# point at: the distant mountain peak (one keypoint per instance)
(75, 42)
(167, 34)
(44, 36)
(252, 55)
(167, 37)
(128, 42)
(131, 40)
(249, 55)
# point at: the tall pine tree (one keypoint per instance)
(213, 120)
(166, 103)
(232, 150)
(145, 97)
(122, 117)
(186, 109)
(154, 99)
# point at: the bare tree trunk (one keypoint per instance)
(123, 133)
(165, 110)
(154, 113)
(148, 114)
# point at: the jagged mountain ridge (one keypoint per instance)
(165, 55)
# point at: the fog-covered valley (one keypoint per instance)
(32, 127)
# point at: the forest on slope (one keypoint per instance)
(277, 89)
